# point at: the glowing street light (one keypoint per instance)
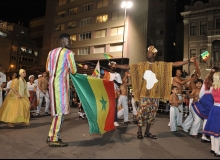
(125, 5)
(11, 66)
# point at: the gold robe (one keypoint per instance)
(14, 109)
(161, 89)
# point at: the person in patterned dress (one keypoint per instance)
(157, 86)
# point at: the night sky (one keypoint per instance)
(25, 10)
(21, 10)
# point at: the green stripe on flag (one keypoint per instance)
(87, 99)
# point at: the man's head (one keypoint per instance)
(151, 52)
(178, 72)
(174, 89)
(65, 40)
(112, 67)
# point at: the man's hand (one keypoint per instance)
(193, 59)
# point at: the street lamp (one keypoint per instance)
(125, 5)
(11, 66)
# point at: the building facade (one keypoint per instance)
(97, 27)
(16, 50)
(202, 33)
(161, 28)
(36, 30)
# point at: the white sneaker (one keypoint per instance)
(205, 138)
(185, 130)
(116, 124)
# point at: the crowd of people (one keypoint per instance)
(203, 106)
(151, 83)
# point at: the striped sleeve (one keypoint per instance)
(71, 63)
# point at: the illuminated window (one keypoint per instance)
(73, 37)
(36, 53)
(23, 49)
(87, 7)
(59, 27)
(102, 18)
(83, 51)
(117, 31)
(61, 2)
(84, 36)
(102, 3)
(72, 24)
(14, 48)
(61, 14)
(99, 34)
(73, 11)
(86, 21)
(99, 49)
(116, 47)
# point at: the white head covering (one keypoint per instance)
(30, 77)
(151, 79)
(39, 75)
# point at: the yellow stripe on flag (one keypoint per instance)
(101, 101)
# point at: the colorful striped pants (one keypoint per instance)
(55, 128)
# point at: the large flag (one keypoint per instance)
(96, 72)
(98, 100)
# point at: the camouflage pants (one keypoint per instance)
(147, 110)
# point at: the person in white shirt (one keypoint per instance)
(32, 87)
(116, 78)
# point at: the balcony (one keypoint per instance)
(213, 32)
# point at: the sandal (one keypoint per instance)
(139, 135)
(150, 136)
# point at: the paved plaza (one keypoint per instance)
(121, 143)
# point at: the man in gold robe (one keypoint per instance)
(151, 81)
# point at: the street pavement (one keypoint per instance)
(122, 143)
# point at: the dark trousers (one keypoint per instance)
(116, 110)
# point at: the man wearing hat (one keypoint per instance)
(147, 90)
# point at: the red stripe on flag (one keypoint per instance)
(109, 123)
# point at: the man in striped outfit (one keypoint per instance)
(60, 62)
